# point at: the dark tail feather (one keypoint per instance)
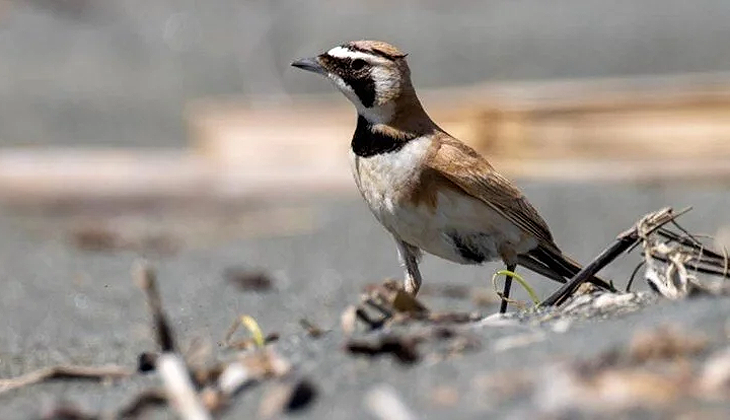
(555, 266)
(531, 263)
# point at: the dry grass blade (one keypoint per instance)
(93, 373)
(257, 338)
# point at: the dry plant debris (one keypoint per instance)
(247, 280)
(200, 393)
(257, 338)
(389, 304)
(402, 347)
(288, 395)
(652, 371)
(94, 373)
(196, 390)
(673, 258)
(678, 264)
(312, 330)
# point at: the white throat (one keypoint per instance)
(376, 114)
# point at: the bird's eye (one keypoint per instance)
(358, 64)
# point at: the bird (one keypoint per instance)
(432, 192)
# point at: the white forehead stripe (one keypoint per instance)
(342, 52)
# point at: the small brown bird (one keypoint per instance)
(432, 192)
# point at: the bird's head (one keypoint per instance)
(373, 75)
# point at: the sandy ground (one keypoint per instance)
(62, 305)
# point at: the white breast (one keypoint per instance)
(383, 180)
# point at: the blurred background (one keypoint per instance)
(176, 130)
(127, 87)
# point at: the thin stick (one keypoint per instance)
(146, 279)
(604, 258)
(689, 235)
(694, 266)
(687, 242)
(93, 373)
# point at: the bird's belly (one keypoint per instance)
(437, 236)
(458, 228)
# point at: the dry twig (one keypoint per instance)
(170, 365)
(93, 373)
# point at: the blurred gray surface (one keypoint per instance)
(120, 73)
(60, 305)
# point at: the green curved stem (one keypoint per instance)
(520, 280)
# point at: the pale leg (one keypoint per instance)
(409, 256)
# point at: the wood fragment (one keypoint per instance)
(92, 373)
(385, 404)
(179, 387)
(402, 348)
(250, 367)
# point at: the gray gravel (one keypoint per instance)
(61, 305)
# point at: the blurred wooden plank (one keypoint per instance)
(40, 174)
(99, 176)
(639, 118)
(645, 131)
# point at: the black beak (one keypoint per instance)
(309, 64)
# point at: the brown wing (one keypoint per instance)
(463, 166)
